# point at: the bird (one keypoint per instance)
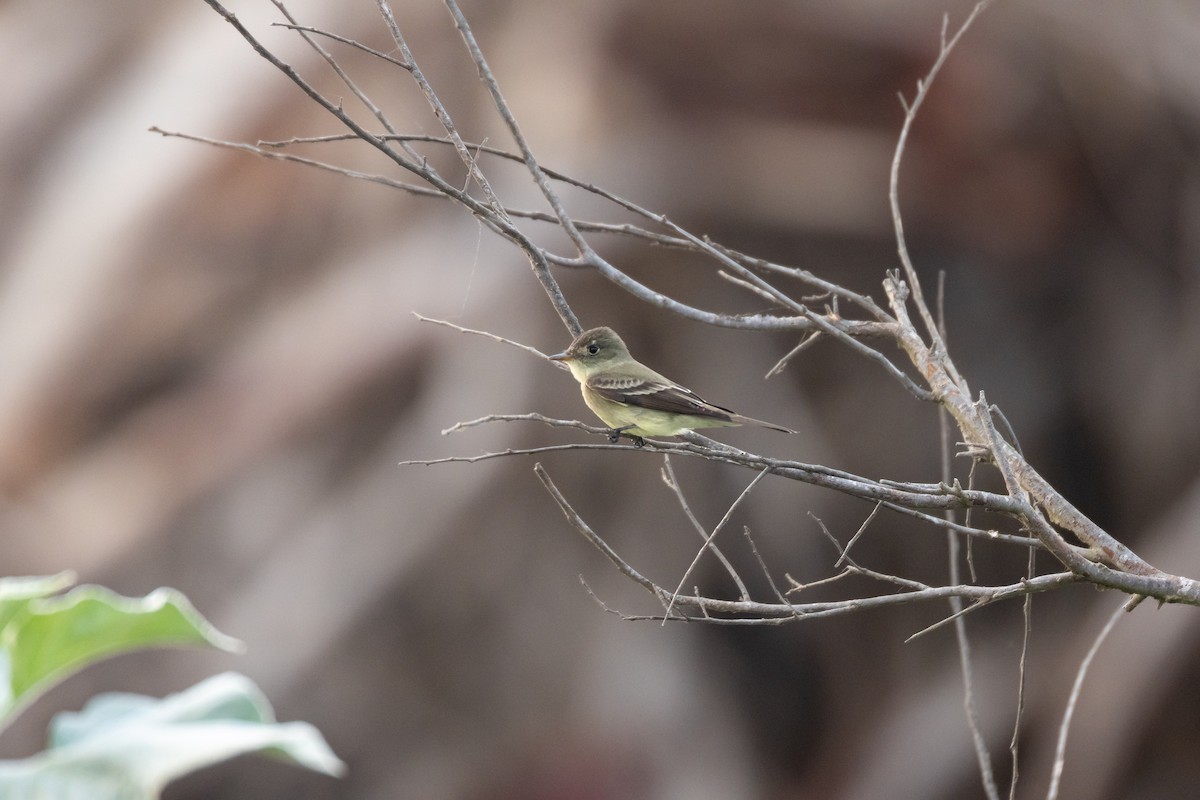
(633, 399)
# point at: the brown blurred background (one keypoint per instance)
(209, 370)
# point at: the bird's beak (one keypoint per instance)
(559, 357)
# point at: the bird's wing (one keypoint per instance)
(657, 395)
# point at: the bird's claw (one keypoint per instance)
(614, 436)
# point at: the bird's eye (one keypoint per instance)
(593, 348)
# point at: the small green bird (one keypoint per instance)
(631, 398)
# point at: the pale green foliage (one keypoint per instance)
(126, 746)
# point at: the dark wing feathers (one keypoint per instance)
(656, 395)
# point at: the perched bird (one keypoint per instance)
(633, 399)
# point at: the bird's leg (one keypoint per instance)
(614, 435)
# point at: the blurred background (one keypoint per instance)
(209, 369)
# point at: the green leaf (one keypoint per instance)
(45, 639)
(15, 593)
(128, 747)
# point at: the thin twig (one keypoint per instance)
(487, 335)
(771, 613)
(1022, 679)
(1060, 749)
(264, 151)
(952, 618)
(836, 331)
(763, 566)
(357, 45)
(805, 343)
(967, 530)
(857, 534)
(827, 287)
(982, 754)
(855, 568)
(910, 115)
(531, 163)
(440, 111)
(708, 540)
(668, 476)
(577, 521)
(308, 33)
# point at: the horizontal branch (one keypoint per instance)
(759, 612)
(920, 496)
(754, 612)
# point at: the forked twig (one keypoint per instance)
(708, 540)
(672, 482)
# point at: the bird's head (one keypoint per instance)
(593, 349)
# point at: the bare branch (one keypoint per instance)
(357, 45)
(708, 541)
(751, 612)
(910, 116)
(1022, 682)
(492, 336)
(763, 566)
(265, 152)
(1028, 500)
(781, 364)
(440, 111)
(668, 476)
(531, 163)
(581, 526)
(308, 33)
(861, 530)
(920, 363)
(1060, 750)
(755, 613)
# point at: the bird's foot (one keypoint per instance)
(614, 436)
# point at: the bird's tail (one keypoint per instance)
(738, 418)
